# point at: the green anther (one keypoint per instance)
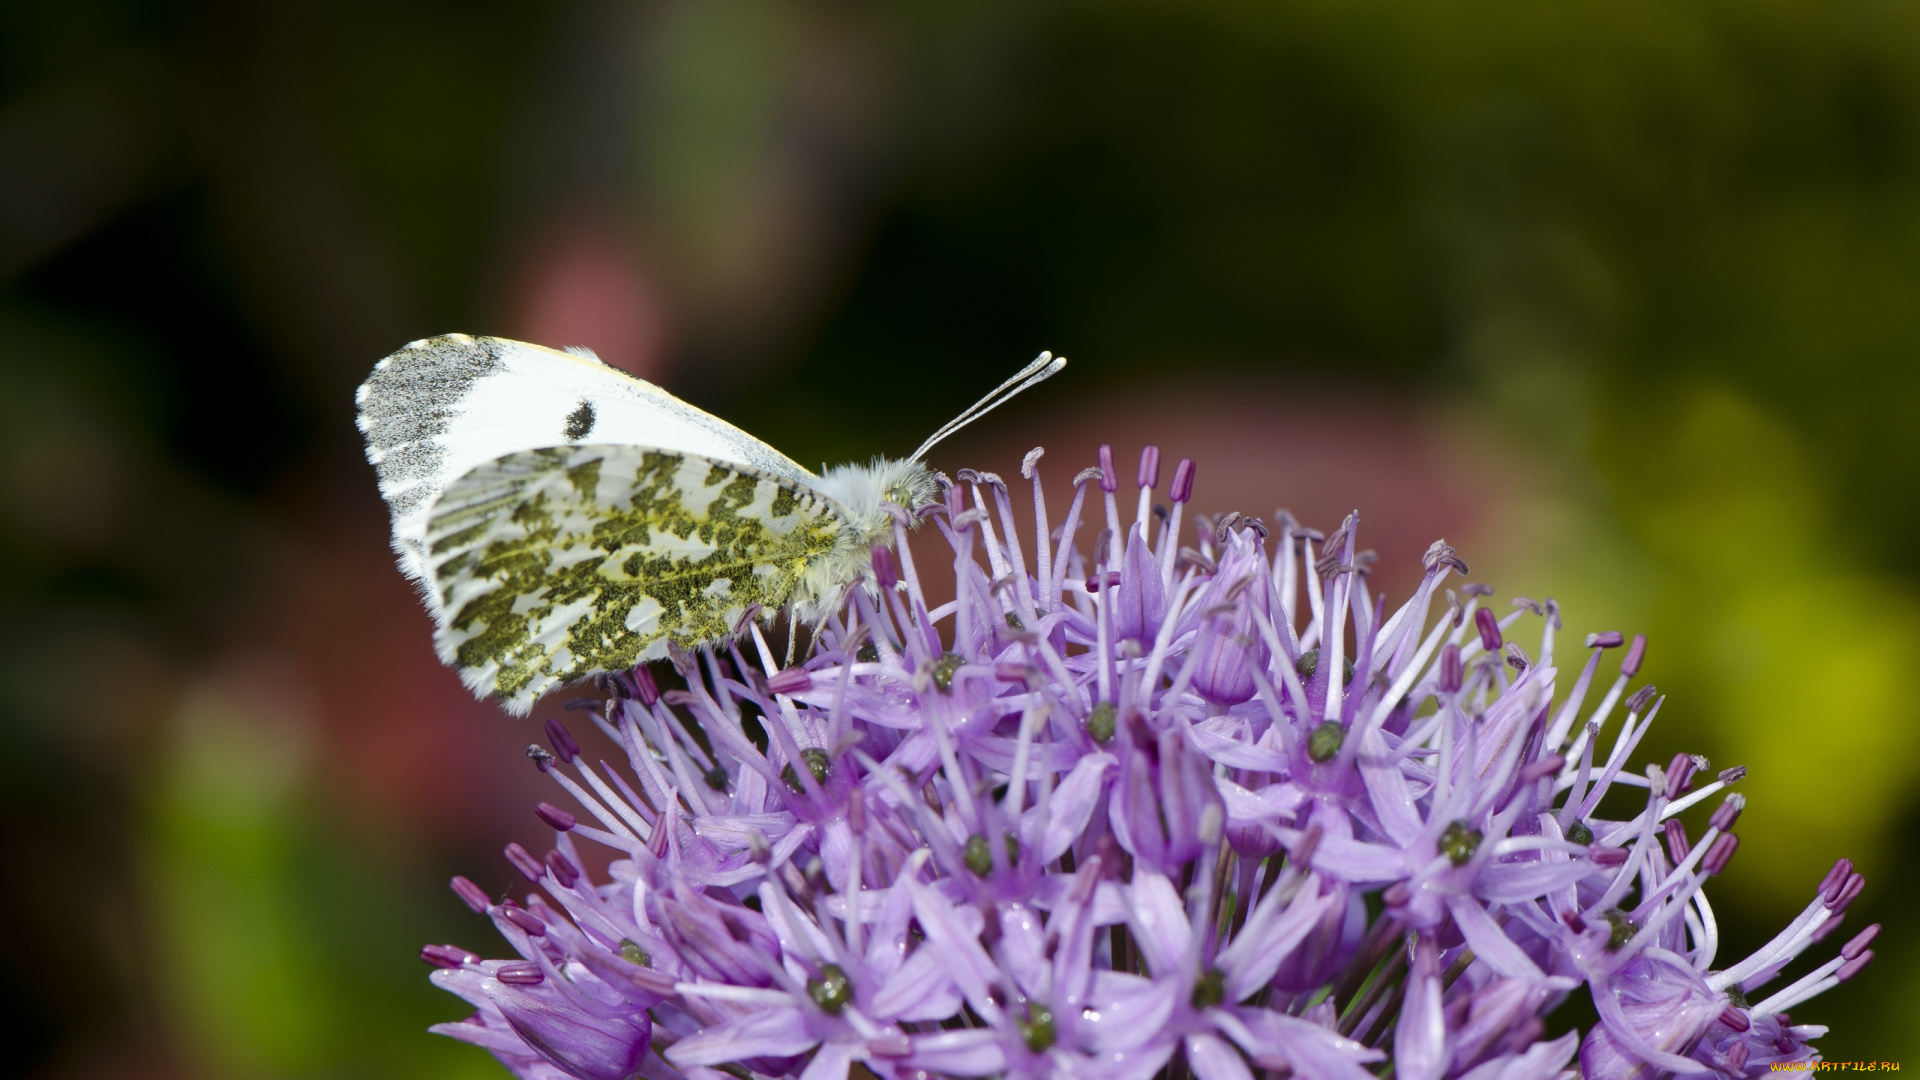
(1309, 663)
(944, 670)
(717, 778)
(1210, 989)
(1459, 842)
(1579, 833)
(1100, 722)
(979, 857)
(816, 760)
(1325, 741)
(1014, 621)
(831, 991)
(867, 653)
(1037, 1030)
(1735, 998)
(1623, 929)
(634, 954)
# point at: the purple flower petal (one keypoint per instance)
(1420, 1036)
(1212, 1059)
(959, 1053)
(772, 1032)
(1538, 1062)
(920, 989)
(584, 1046)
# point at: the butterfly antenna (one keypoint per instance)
(1044, 367)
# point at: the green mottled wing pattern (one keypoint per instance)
(554, 564)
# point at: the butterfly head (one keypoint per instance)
(865, 491)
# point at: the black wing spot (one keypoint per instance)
(580, 422)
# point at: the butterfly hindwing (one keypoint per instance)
(551, 564)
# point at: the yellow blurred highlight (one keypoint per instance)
(1802, 659)
(1774, 648)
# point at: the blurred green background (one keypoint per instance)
(1623, 297)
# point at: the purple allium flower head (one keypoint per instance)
(1125, 808)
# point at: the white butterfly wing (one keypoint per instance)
(553, 564)
(443, 406)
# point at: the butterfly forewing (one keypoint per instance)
(549, 565)
(442, 406)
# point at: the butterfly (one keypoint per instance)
(563, 518)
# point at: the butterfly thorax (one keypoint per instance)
(862, 493)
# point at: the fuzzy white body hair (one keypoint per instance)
(862, 491)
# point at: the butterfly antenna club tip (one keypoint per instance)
(1042, 368)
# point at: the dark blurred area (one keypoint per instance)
(1622, 298)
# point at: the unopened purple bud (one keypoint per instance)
(1606, 639)
(644, 687)
(1636, 652)
(1860, 942)
(563, 870)
(1638, 702)
(1011, 672)
(1574, 922)
(1679, 773)
(1149, 467)
(524, 862)
(1720, 854)
(886, 573)
(1109, 478)
(1677, 839)
(856, 812)
(1836, 877)
(1737, 1057)
(793, 680)
(1607, 856)
(520, 973)
(1489, 628)
(562, 740)
(1451, 672)
(1182, 488)
(1847, 893)
(554, 816)
(525, 920)
(473, 895)
(1727, 812)
(1735, 1019)
(539, 756)
(1854, 966)
(1396, 895)
(447, 956)
(1733, 775)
